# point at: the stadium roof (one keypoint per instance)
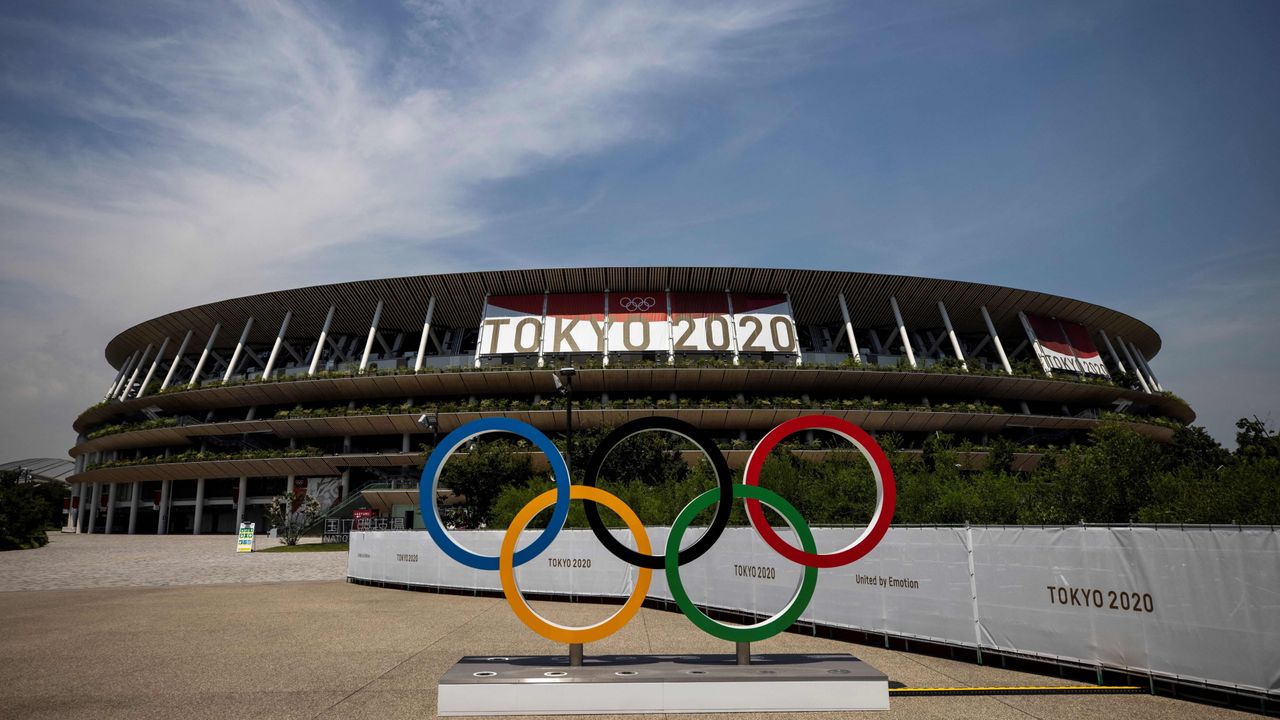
(460, 300)
(52, 469)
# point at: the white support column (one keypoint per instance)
(542, 329)
(204, 356)
(854, 351)
(78, 499)
(240, 501)
(70, 525)
(1142, 360)
(733, 326)
(315, 357)
(93, 508)
(124, 392)
(195, 526)
(796, 332)
(951, 332)
(162, 521)
(995, 340)
(373, 332)
(902, 331)
(133, 362)
(1035, 343)
(426, 332)
(124, 367)
(135, 493)
(346, 484)
(275, 349)
(86, 506)
(235, 356)
(177, 358)
(111, 507)
(605, 336)
(484, 313)
(671, 332)
(1137, 371)
(142, 389)
(1111, 349)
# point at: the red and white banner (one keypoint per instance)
(574, 324)
(638, 322)
(764, 323)
(1066, 346)
(512, 325)
(622, 322)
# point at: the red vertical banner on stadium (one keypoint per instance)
(299, 492)
(574, 324)
(512, 325)
(700, 322)
(1086, 352)
(1066, 346)
(764, 323)
(638, 322)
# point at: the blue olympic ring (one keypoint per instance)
(431, 479)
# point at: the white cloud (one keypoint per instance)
(207, 153)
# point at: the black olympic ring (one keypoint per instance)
(724, 480)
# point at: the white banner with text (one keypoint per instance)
(1195, 603)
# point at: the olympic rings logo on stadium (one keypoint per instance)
(636, 304)
(749, 492)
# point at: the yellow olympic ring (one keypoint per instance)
(544, 627)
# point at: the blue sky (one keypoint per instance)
(159, 155)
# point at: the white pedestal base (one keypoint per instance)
(616, 684)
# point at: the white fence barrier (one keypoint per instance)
(1199, 604)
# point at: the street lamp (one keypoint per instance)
(563, 379)
(431, 421)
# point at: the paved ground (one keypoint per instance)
(330, 649)
(72, 561)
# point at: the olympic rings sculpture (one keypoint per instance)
(748, 491)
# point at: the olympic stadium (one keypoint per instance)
(340, 390)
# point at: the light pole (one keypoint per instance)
(563, 379)
(431, 421)
(566, 388)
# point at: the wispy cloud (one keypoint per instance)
(208, 150)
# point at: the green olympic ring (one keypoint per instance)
(766, 628)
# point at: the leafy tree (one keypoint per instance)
(290, 523)
(23, 513)
(1255, 439)
(480, 475)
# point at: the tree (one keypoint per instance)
(290, 523)
(479, 476)
(1255, 439)
(23, 513)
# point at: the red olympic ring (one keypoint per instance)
(886, 491)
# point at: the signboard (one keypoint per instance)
(244, 543)
(638, 322)
(764, 323)
(641, 321)
(1066, 346)
(1194, 603)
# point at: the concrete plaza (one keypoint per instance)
(168, 627)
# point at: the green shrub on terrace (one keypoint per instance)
(113, 429)
(729, 403)
(1159, 420)
(198, 456)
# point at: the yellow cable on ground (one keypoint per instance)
(1020, 690)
